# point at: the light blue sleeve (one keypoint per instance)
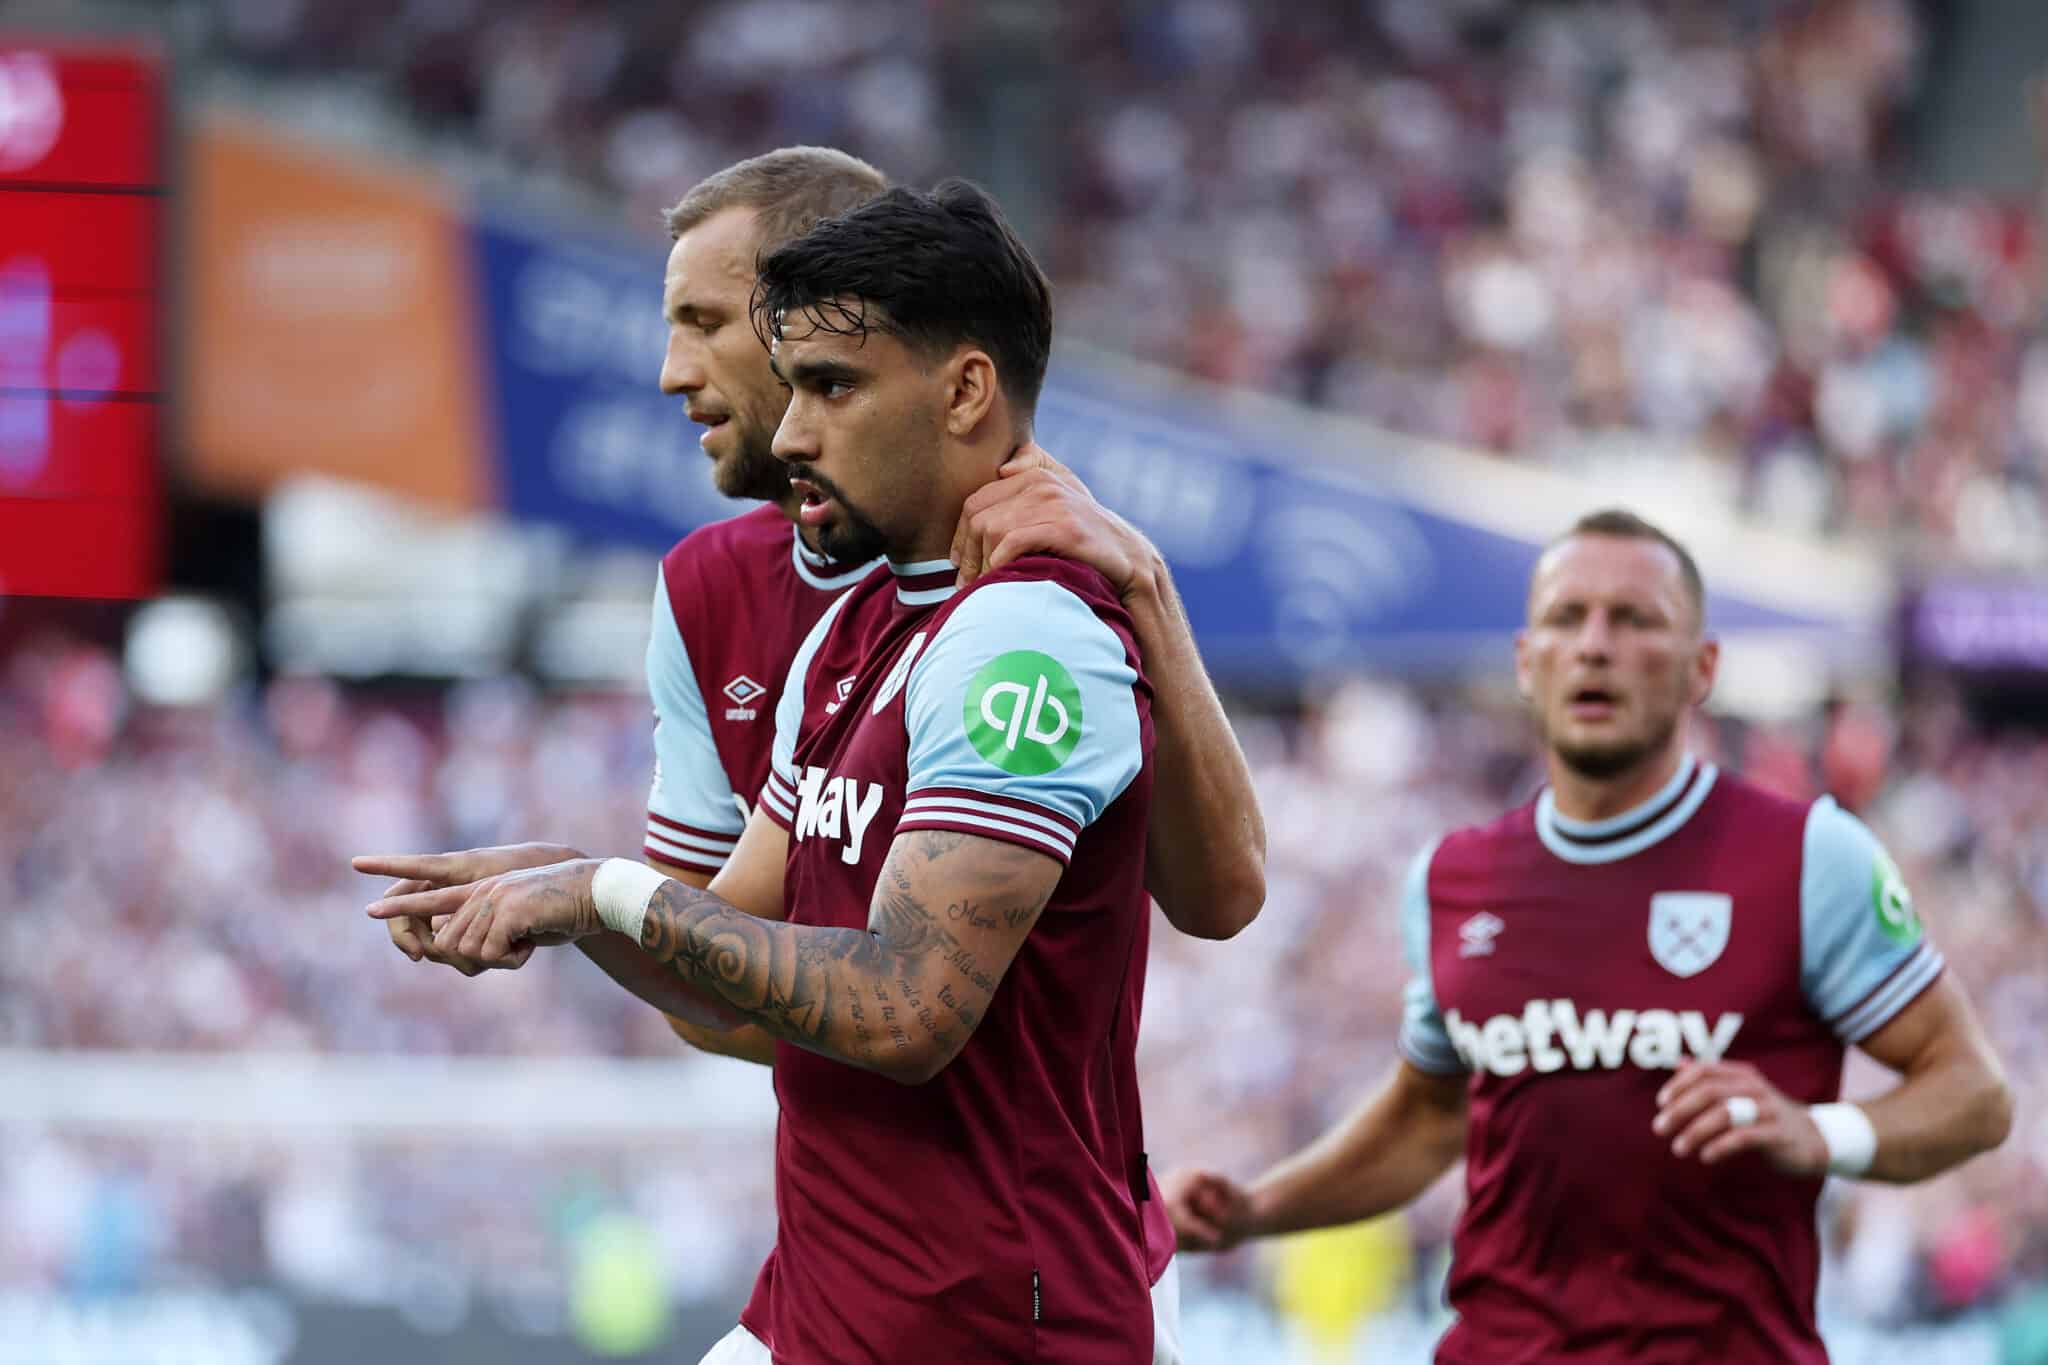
(1424, 1041)
(1022, 717)
(693, 816)
(779, 792)
(1864, 955)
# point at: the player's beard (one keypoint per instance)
(751, 471)
(850, 538)
(1607, 759)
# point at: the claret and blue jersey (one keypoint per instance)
(1568, 968)
(1014, 710)
(733, 602)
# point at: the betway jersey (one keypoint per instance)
(988, 1215)
(732, 603)
(1569, 967)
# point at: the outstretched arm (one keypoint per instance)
(1206, 841)
(900, 997)
(1386, 1152)
(750, 880)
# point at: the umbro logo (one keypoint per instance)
(742, 692)
(845, 687)
(1476, 935)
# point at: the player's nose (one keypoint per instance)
(1595, 639)
(796, 437)
(682, 366)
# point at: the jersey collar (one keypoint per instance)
(1632, 831)
(926, 582)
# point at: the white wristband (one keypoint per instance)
(622, 890)
(1851, 1139)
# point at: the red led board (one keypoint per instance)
(82, 206)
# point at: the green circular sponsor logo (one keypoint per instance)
(1023, 712)
(1893, 902)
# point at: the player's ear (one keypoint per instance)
(1706, 665)
(973, 393)
(1523, 684)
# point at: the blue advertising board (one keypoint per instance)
(584, 439)
(1289, 563)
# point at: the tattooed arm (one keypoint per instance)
(901, 996)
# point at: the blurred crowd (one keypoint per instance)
(177, 882)
(1600, 232)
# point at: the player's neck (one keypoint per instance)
(1579, 797)
(928, 549)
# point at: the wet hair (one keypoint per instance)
(934, 270)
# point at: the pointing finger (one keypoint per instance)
(420, 904)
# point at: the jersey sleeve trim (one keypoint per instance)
(1893, 994)
(779, 800)
(681, 833)
(683, 857)
(690, 781)
(1423, 1039)
(674, 842)
(966, 811)
(1425, 1056)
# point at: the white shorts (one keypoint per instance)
(741, 1347)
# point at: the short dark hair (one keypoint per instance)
(933, 270)
(1623, 524)
(789, 189)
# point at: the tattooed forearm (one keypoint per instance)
(901, 996)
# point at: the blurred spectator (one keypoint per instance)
(184, 886)
(1583, 232)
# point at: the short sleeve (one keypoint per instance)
(694, 817)
(1424, 1040)
(1022, 718)
(1864, 955)
(779, 792)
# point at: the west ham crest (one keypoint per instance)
(1688, 929)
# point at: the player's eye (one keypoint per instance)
(835, 388)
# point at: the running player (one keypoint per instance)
(1629, 1010)
(954, 824)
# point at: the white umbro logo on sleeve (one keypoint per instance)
(1476, 935)
(845, 687)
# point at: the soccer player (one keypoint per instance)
(733, 600)
(1630, 1006)
(937, 908)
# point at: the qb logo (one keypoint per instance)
(1023, 712)
(1893, 902)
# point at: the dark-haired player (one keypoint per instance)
(938, 906)
(1630, 1004)
(733, 600)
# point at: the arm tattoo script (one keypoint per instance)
(867, 996)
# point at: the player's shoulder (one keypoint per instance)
(749, 540)
(1041, 595)
(1736, 796)
(1474, 847)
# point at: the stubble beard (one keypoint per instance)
(1609, 759)
(751, 471)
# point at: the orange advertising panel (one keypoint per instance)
(329, 323)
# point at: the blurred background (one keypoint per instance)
(333, 474)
